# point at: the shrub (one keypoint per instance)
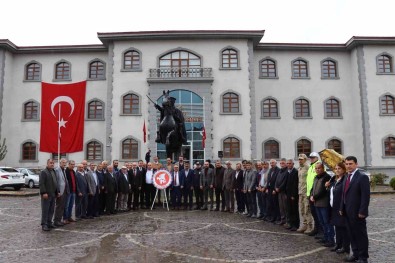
(379, 178)
(392, 183)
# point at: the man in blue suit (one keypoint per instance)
(354, 207)
(187, 185)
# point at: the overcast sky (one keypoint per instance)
(45, 22)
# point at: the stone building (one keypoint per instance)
(256, 100)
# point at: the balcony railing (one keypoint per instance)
(177, 73)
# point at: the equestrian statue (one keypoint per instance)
(171, 131)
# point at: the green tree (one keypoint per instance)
(3, 149)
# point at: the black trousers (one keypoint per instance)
(47, 210)
(198, 196)
(273, 206)
(93, 205)
(219, 198)
(358, 236)
(110, 203)
(240, 201)
(142, 193)
(188, 196)
(102, 202)
(149, 194)
(136, 196)
(342, 238)
(293, 211)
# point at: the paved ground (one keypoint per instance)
(161, 236)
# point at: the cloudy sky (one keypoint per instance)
(45, 22)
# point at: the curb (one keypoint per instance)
(382, 193)
(18, 195)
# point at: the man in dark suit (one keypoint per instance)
(175, 188)
(187, 185)
(48, 192)
(354, 207)
(207, 185)
(280, 185)
(81, 201)
(135, 180)
(291, 190)
(150, 189)
(272, 199)
(141, 173)
(102, 195)
(110, 188)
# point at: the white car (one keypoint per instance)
(10, 177)
(32, 176)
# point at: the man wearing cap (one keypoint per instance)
(196, 186)
(306, 219)
(311, 174)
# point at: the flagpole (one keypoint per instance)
(60, 106)
(204, 127)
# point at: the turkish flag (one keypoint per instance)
(145, 133)
(62, 117)
(204, 137)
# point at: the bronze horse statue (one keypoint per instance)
(171, 131)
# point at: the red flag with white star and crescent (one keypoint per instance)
(62, 116)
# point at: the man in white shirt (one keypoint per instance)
(149, 186)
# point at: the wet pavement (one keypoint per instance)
(175, 236)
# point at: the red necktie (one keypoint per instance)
(347, 183)
(175, 179)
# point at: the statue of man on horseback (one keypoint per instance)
(171, 131)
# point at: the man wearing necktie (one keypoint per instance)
(110, 188)
(175, 188)
(354, 207)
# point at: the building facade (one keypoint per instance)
(255, 100)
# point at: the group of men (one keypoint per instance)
(263, 190)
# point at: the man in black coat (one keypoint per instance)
(354, 207)
(81, 201)
(141, 173)
(280, 185)
(48, 192)
(110, 188)
(135, 180)
(123, 189)
(218, 181)
(291, 190)
(272, 199)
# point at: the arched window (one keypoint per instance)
(387, 103)
(268, 68)
(302, 108)
(94, 151)
(131, 104)
(389, 146)
(62, 71)
(33, 71)
(271, 150)
(30, 110)
(131, 60)
(384, 64)
(230, 58)
(303, 146)
(332, 108)
(230, 103)
(95, 110)
(231, 147)
(29, 151)
(130, 149)
(180, 59)
(269, 108)
(336, 145)
(299, 69)
(329, 69)
(97, 70)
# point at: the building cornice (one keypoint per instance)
(8, 45)
(254, 35)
